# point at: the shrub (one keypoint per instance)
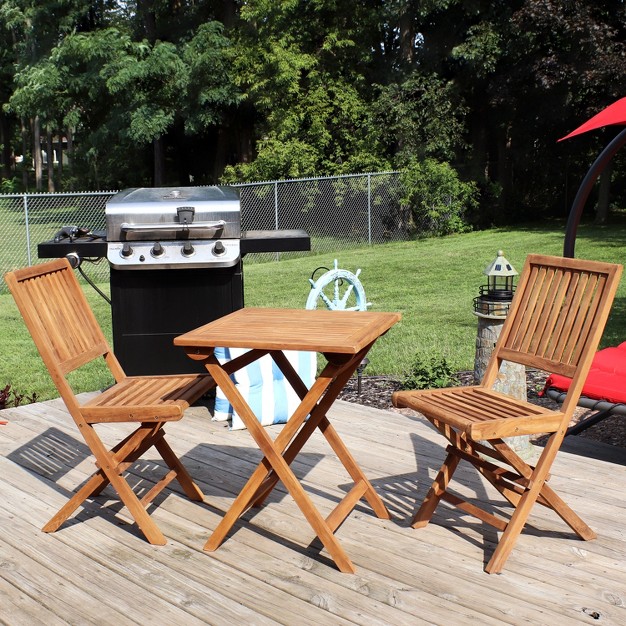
(439, 201)
(428, 374)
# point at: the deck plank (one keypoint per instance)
(267, 570)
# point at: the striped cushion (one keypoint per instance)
(264, 387)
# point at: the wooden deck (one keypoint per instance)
(269, 570)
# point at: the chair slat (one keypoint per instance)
(568, 285)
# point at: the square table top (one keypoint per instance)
(344, 332)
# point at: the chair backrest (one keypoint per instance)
(60, 321)
(557, 318)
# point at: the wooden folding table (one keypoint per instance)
(344, 338)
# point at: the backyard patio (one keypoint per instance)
(99, 569)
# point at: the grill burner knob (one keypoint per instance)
(188, 249)
(219, 249)
(126, 250)
(157, 250)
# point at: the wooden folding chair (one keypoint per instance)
(68, 336)
(554, 324)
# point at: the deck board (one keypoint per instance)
(270, 569)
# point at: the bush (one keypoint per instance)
(429, 374)
(439, 202)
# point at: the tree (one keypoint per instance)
(424, 116)
(35, 30)
(301, 67)
(439, 202)
(562, 62)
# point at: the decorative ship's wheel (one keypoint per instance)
(339, 290)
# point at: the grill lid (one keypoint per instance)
(168, 213)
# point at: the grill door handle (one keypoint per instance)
(207, 228)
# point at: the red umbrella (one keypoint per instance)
(613, 114)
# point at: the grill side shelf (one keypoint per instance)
(275, 241)
(84, 247)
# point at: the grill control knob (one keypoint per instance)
(219, 248)
(126, 250)
(157, 250)
(187, 249)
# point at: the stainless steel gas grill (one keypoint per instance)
(175, 264)
(175, 258)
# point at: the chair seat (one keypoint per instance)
(147, 398)
(479, 412)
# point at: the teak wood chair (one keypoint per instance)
(555, 322)
(68, 336)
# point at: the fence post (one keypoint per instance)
(25, 202)
(276, 204)
(369, 209)
(277, 254)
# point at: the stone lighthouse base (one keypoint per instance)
(510, 380)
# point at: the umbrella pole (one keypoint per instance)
(585, 189)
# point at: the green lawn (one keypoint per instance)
(432, 282)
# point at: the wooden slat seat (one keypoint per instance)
(554, 324)
(145, 399)
(483, 413)
(68, 337)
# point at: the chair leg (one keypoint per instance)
(518, 521)
(438, 488)
(555, 502)
(537, 487)
(513, 529)
(93, 486)
(136, 509)
(113, 463)
(182, 475)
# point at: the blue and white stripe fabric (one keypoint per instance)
(264, 387)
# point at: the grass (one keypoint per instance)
(432, 282)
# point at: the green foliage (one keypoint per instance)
(438, 200)
(291, 88)
(276, 159)
(8, 185)
(423, 116)
(210, 88)
(11, 398)
(149, 81)
(428, 373)
(481, 50)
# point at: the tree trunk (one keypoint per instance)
(228, 13)
(70, 154)
(505, 176)
(146, 10)
(60, 164)
(407, 34)
(159, 162)
(37, 154)
(50, 160)
(5, 141)
(602, 210)
(24, 154)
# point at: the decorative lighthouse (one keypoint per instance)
(491, 307)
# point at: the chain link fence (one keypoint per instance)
(337, 212)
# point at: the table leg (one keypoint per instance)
(338, 377)
(273, 460)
